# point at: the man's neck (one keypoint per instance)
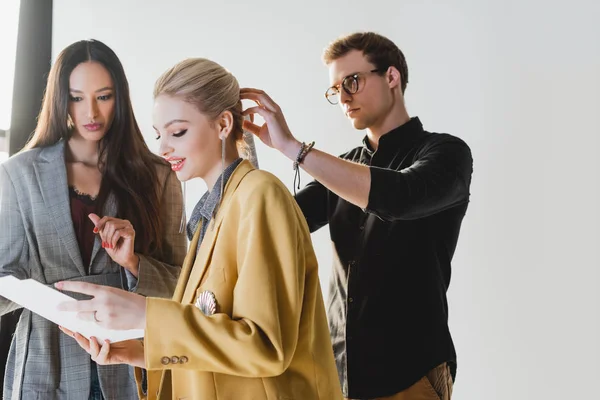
(398, 116)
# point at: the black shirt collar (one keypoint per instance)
(398, 137)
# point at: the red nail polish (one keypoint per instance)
(95, 230)
(103, 245)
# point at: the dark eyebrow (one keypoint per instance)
(171, 122)
(97, 91)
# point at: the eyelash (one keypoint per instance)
(176, 134)
(104, 97)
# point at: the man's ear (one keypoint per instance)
(394, 77)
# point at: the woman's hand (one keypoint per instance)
(129, 352)
(118, 239)
(110, 307)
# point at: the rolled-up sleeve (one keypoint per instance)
(438, 179)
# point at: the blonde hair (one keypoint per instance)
(206, 85)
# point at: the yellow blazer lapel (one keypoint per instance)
(202, 259)
(187, 266)
(201, 263)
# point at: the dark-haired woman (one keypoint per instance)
(85, 200)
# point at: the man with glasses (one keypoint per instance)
(394, 206)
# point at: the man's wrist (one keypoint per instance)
(290, 150)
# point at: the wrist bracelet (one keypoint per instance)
(304, 150)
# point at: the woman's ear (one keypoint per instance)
(225, 124)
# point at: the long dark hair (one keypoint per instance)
(128, 167)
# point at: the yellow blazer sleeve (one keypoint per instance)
(260, 338)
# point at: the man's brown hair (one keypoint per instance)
(379, 51)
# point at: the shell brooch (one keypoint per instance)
(207, 303)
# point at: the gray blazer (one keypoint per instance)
(37, 240)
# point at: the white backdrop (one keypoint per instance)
(517, 80)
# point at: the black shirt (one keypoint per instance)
(387, 310)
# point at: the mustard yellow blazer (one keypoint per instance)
(269, 337)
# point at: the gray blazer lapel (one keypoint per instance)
(110, 210)
(51, 174)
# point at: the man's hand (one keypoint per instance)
(274, 132)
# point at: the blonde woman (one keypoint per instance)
(247, 320)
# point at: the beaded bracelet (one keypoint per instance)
(304, 150)
(296, 163)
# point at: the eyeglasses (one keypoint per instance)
(350, 84)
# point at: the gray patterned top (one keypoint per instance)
(208, 204)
